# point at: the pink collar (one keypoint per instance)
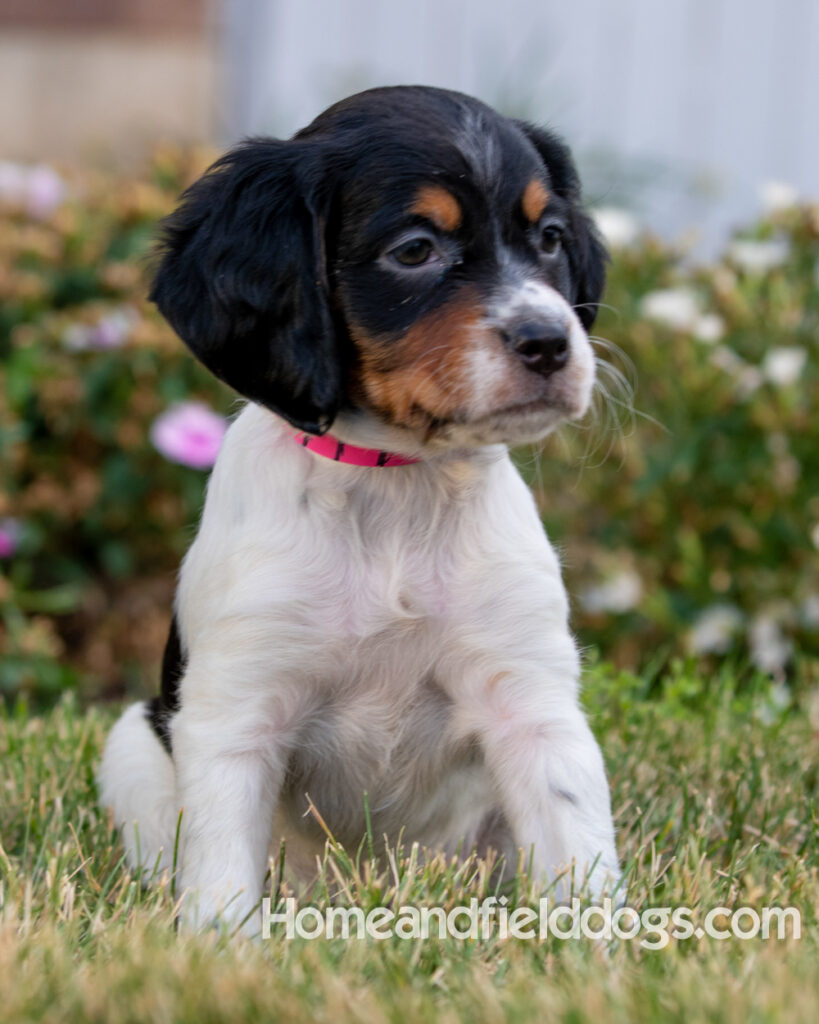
(339, 451)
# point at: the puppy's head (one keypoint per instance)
(411, 256)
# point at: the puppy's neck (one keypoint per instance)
(365, 430)
(455, 469)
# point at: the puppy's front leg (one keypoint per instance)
(513, 679)
(227, 790)
(552, 785)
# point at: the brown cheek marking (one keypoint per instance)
(534, 200)
(425, 380)
(439, 206)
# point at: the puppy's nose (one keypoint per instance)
(542, 345)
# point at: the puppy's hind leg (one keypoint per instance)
(137, 781)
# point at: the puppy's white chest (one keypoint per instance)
(382, 568)
(400, 596)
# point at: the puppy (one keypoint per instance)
(371, 614)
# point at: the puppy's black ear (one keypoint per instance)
(587, 254)
(242, 279)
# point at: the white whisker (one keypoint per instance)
(597, 305)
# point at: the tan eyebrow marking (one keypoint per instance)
(439, 206)
(534, 200)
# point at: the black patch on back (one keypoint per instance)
(160, 709)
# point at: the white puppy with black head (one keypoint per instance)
(371, 604)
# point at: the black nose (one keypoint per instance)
(541, 344)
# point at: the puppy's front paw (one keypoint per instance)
(593, 880)
(237, 916)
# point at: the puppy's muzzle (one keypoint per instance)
(541, 344)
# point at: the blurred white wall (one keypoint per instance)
(679, 108)
(104, 80)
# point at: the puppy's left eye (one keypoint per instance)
(415, 252)
(551, 239)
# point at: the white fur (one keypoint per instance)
(401, 632)
(137, 775)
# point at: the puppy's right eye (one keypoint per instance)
(551, 239)
(415, 252)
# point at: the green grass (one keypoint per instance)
(714, 789)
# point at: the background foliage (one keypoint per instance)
(688, 525)
(101, 517)
(693, 522)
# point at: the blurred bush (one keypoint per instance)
(691, 524)
(93, 519)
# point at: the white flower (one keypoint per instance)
(12, 182)
(679, 308)
(9, 536)
(39, 189)
(757, 257)
(814, 535)
(810, 610)
(110, 331)
(45, 191)
(675, 307)
(777, 195)
(770, 648)
(619, 594)
(617, 226)
(709, 327)
(780, 695)
(724, 358)
(714, 630)
(747, 378)
(783, 365)
(776, 702)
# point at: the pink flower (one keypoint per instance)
(110, 331)
(39, 189)
(9, 537)
(189, 433)
(45, 191)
